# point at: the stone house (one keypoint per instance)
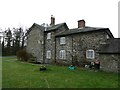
(110, 55)
(58, 43)
(41, 40)
(82, 43)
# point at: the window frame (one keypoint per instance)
(48, 54)
(107, 36)
(62, 40)
(62, 54)
(88, 54)
(48, 35)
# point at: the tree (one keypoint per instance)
(6, 44)
(19, 38)
(18, 32)
(13, 40)
(8, 37)
(24, 39)
(3, 44)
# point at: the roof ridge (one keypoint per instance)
(53, 27)
(90, 27)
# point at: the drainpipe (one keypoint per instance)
(55, 51)
(44, 47)
(72, 49)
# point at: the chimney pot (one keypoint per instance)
(81, 23)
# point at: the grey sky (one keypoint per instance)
(96, 13)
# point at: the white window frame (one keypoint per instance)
(48, 35)
(107, 36)
(48, 54)
(62, 54)
(90, 54)
(62, 40)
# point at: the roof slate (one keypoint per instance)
(39, 26)
(54, 27)
(82, 30)
(112, 47)
(50, 28)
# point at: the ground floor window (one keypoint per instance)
(90, 54)
(62, 54)
(48, 54)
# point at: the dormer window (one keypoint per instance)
(62, 40)
(49, 36)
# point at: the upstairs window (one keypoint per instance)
(48, 54)
(49, 36)
(62, 40)
(90, 54)
(107, 36)
(62, 54)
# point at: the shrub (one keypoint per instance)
(22, 55)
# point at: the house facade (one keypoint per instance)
(81, 44)
(50, 43)
(35, 42)
(59, 44)
(41, 41)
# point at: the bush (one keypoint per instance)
(22, 55)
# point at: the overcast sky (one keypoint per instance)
(96, 13)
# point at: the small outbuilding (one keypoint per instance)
(110, 55)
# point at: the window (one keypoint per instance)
(62, 54)
(90, 54)
(107, 36)
(48, 54)
(62, 40)
(38, 42)
(49, 36)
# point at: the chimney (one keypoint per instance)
(81, 23)
(52, 20)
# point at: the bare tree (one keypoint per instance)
(8, 37)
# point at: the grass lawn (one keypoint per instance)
(18, 74)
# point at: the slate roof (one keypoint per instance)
(55, 27)
(112, 47)
(83, 30)
(49, 28)
(38, 26)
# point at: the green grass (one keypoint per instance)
(18, 74)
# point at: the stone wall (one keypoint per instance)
(110, 62)
(50, 44)
(35, 43)
(77, 44)
(67, 47)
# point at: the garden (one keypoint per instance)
(21, 74)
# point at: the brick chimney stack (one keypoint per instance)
(81, 23)
(52, 20)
